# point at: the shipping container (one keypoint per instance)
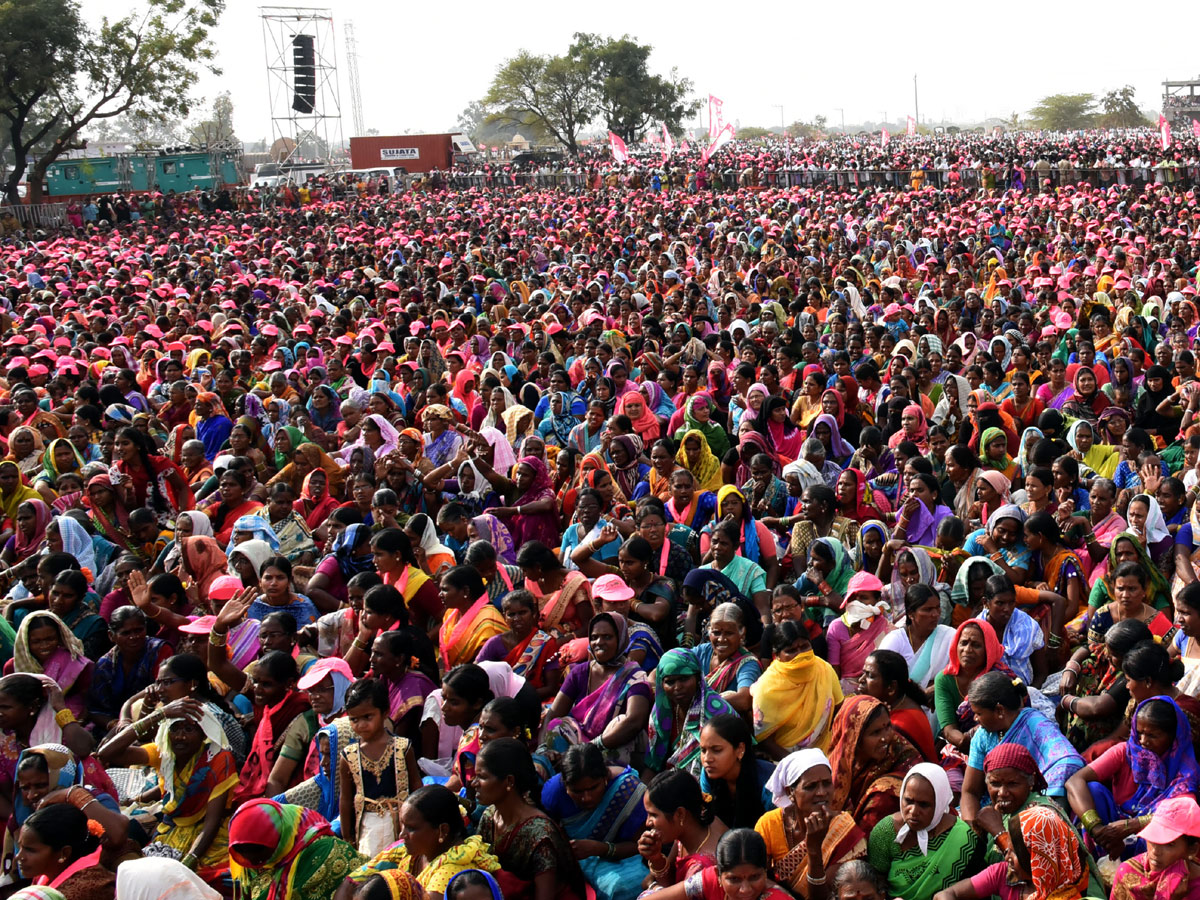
(138, 172)
(411, 152)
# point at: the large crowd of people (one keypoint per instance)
(629, 541)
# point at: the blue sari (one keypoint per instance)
(617, 817)
(321, 792)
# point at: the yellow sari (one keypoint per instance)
(794, 702)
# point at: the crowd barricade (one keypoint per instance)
(858, 179)
(37, 215)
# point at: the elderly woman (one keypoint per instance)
(808, 836)
(728, 667)
(683, 702)
(925, 848)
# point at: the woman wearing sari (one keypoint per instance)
(925, 848)
(794, 700)
(728, 667)
(531, 652)
(14, 491)
(962, 475)
(1056, 392)
(1130, 779)
(1061, 569)
(301, 461)
(490, 529)
(683, 702)
(857, 501)
(25, 449)
(1000, 704)
(601, 809)
(106, 511)
(1127, 547)
(605, 700)
(533, 515)
(1087, 401)
(697, 414)
(696, 456)
(974, 652)
(993, 453)
(315, 502)
(870, 759)
(645, 422)
(30, 535)
(555, 427)
(275, 848)
(60, 458)
(1085, 442)
(801, 786)
(470, 619)
(196, 777)
(45, 646)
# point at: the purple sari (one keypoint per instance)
(923, 526)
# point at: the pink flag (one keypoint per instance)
(912, 126)
(1195, 128)
(666, 139)
(723, 138)
(684, 146)
(716, 117)
(617, 146)
(883, 138)
(1164, 129)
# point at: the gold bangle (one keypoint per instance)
(360, 645)
(217, 640)
(64, 717)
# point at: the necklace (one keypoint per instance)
(378, 766)
(707, 835)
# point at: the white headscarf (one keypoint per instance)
(201, 524)
(790, 770)
(429, 540)
(1156, 524)
(942, 796)
(214, 740)
(809, 475)
(942, 410)
(77, 542)
(159, 878)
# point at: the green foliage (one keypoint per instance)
(753, 133)
(1121, 109)
(217, 126)
(597, 77)
(1064, 112)
(554, 92)
(630, 98)
(68, 77)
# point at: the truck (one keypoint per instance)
(410, 152)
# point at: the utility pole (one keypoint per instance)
(842, 112)
(916, 101)
(782, 124)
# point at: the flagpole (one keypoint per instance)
(916, 102)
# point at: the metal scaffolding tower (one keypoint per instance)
(356, 104)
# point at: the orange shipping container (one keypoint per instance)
(413, 152)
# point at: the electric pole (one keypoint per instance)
(916, 101)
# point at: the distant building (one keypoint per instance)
(1181, 103)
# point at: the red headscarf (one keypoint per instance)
(992, 646)
(866, 503)
(840, 415)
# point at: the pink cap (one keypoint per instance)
(198, 625)
(612, 588)
(322, 667)
(1173, 818)
(225, 587)
(863, 581)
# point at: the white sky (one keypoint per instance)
(420, 65)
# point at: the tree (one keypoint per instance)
(752, 133)
(471, 120)
(59, 77)
(630, 98)
(555, 92)
(1064, 112)
(218, 127)
(1121, 109)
